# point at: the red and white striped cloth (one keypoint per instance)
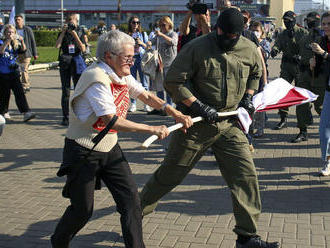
(276, 94)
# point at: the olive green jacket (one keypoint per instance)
(289, 46)
(216, 78)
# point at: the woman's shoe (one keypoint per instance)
(28, 116)
(7, 116)
(259, 133)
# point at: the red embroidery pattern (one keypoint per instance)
(122, 101)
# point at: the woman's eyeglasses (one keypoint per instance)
(134, 22)
(162, 25)
(128, 59)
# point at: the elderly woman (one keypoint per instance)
(166, 41)
(102, 97)
(322, 60)
(10, 46)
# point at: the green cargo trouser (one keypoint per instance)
(289, 72)
(232, 153)
(303, 112)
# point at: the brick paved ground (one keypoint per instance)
(196, 214)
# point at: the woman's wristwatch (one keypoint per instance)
(325, 55)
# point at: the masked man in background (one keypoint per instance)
(287, 42)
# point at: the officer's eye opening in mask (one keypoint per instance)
(231, 23)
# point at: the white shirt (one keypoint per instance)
(98, 98)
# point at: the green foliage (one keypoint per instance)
(45, 38)
(123, 27)
(47, 54)
(93, 37)
(50, 54)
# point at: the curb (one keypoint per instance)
(42, 67)
(48, 66)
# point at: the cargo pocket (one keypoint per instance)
(181, 152)
(244, 73)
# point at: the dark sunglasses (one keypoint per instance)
(136, 22)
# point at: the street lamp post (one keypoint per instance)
(119, 12)
(62, 14)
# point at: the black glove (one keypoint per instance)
(208, 113)
(273, 53)
(247, 103)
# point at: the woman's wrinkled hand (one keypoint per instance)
(161, 131)
(185, 120)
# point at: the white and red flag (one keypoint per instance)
(276, 94)
(279, 94)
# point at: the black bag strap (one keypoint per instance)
(96, 140)
(101, 134)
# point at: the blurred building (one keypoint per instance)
(277, 9)
(303, 6)
(48, 12)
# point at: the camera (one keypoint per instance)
(198, 7)
(71, 26)
(102, 30)
(135, 37)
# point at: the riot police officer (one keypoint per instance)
(215, 73)
(287, 42)
(312, 80)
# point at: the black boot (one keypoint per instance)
(256, 242)
(302, 136)
(281, 124)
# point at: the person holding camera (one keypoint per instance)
(10, 46)
(166, 41)
(321, 61)
(24, 59)
(101, 28)
(141, 39)
(188, 31)
(72, 43)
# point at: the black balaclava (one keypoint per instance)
(231, 21)
(313, 20)
(289, 24)
(289, 19)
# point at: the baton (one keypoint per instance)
(154, 137)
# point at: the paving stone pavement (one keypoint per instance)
(198, 213)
